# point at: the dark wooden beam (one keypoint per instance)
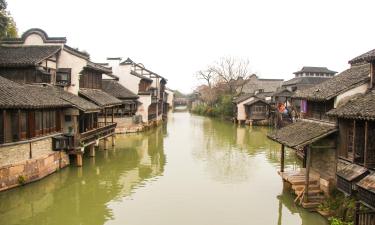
(307, 174)
(113, 113)
(19, 124)
(366, 138)
(5, 125)
(282, 158)
(354, 133)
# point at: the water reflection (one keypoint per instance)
(80, 195)
(217, 173)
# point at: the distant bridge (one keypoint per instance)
(181, 102)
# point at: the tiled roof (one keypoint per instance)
(368, 183)
(305, 80)
(140, 76)
(255, 101)
(243, 97)
(117, 90)
(301, 133)
(366, 57)
(350, 78)
(314, 69)
(25, 55)
(283, 93)
(99, 97)
(360, 107)
(74, 100)
(351, 171)
(14, 95)
(98, 67)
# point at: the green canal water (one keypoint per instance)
(193, 171)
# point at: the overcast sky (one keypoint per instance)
(176, 38)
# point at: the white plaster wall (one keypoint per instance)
(68, 60)
(34, 39)
(128, 80)
(143, 108)
(241, 113)
(358, 90)
(170, 97)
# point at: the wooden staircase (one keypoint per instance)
(297, 180)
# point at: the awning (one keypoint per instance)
(368, 183)
(302, 133)
(351, 172)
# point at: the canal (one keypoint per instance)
(193, 171)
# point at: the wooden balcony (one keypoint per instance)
(103, 130)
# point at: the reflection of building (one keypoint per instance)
(69, 195)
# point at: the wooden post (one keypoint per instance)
(113, 140)
(307, 174)
(282, 157)
(19, 124)
(356, 215)
(366, 138)
(5, 125)
(354, 133)
(92, 150)
(304, 157)
(105, 143)
(79, 159)
(113, 113)
(105, 116)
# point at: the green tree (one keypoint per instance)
(8, 26)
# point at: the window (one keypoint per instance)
(63, 76)
(68, 118)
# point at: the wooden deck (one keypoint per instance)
(297, 180)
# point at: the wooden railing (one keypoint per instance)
(365, 217)
(102, 130)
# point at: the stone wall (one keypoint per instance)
(27, 162)
(323, 164)
(124, 125)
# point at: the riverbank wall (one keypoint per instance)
(25, 162)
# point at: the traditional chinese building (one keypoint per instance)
(314, 136)
(49, 62)
(148, 85)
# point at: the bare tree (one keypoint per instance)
(231, 72)
(206, 75)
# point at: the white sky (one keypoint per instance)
(176, 38)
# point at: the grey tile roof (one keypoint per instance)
(360, 107)
(254, 83)
(350, 78)
(255, 101)
(14, 95)
(351, 172)
(305, 80)
(301, 133)
(368, 183)
(25, 55)
(366, 57)
(244, 97)
(98, 67)
(117, 90)
(99, 97)
(282, 92)
(315, 69)
(74, 100)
